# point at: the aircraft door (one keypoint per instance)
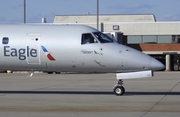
(32, 46)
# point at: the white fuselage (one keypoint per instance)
(60, 48)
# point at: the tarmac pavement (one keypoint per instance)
(88, 95)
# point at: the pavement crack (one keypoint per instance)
(160, 99)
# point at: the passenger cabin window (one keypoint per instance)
(87, 39)
(5, 40)
(103, 38)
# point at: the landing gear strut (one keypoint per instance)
(118, 88)
(32, 73)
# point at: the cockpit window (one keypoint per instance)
(88, 39)
(103, 38)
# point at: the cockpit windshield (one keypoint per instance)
(103, 38)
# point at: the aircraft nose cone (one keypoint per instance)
(156, 65)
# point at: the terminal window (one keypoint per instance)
(148, 39)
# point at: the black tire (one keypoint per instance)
(58, 72)
(119, 90)
(50, 72)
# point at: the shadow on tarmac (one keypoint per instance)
(88, 93)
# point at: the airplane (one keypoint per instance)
(63, 48)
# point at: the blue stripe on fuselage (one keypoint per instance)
(44, 49)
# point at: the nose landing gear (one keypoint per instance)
(118, 88)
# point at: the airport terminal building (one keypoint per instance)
(142, 32)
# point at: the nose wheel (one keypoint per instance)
(118, 88)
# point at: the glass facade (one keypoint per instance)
(137, 39)
(149, 39)
(134, 39)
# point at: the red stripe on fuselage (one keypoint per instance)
(50, 57)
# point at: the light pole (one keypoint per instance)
(24, 11)
(97, 14)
